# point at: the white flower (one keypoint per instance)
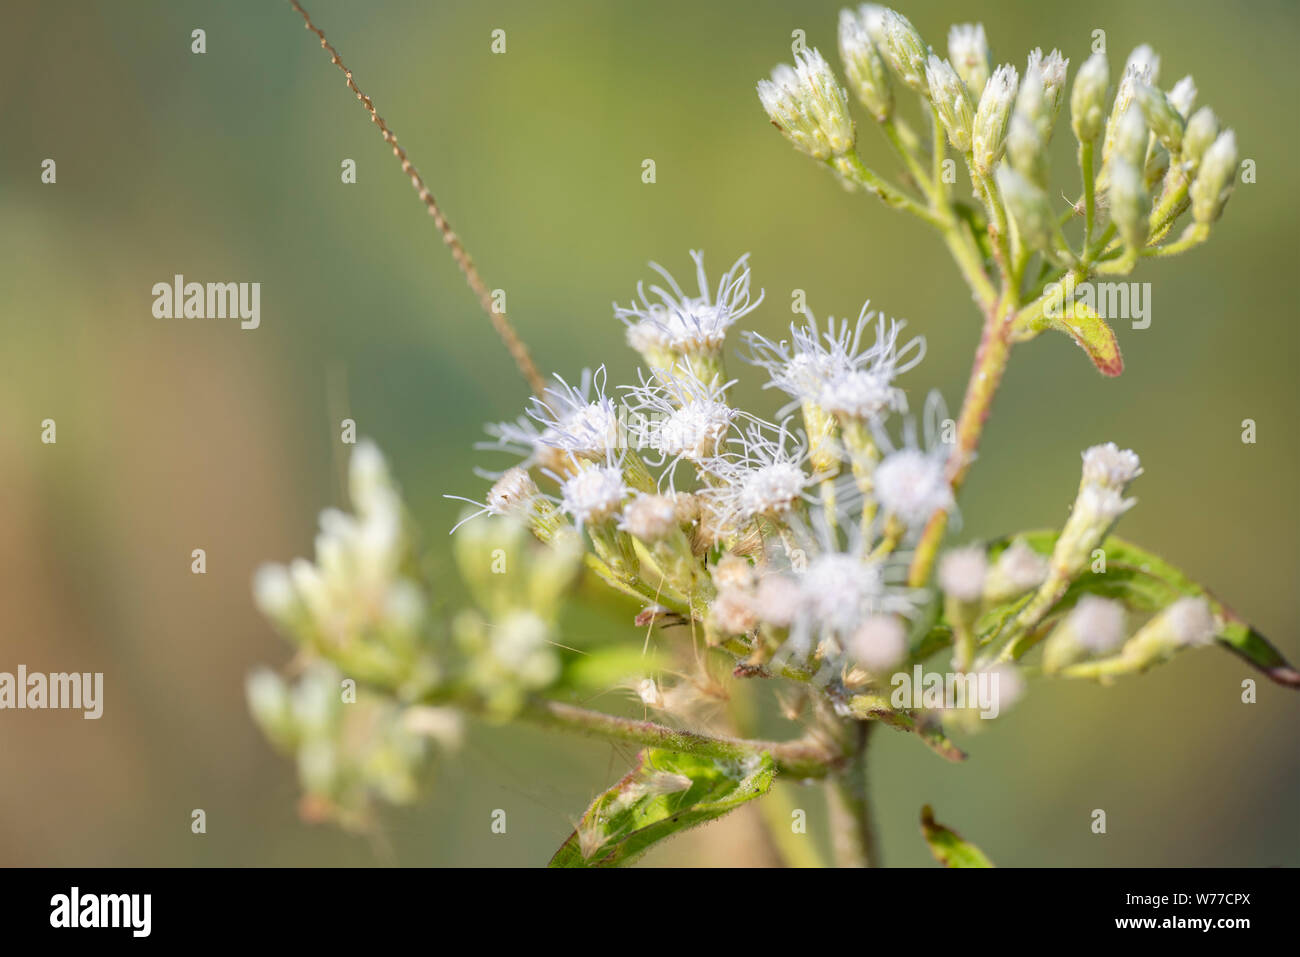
(911, 485)
(1191, 622)
(878, 644)
(681, 417)
(962, 572)
(1097, 623)
(511, 493)
(649, 517)
(834, 369)
(677, 322)
(1110, 465)
(777, 600)
(764, 477)
(580, 420)
(593, 493)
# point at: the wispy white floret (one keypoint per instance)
(911, 485)
(777, 600)
(579, 419)
(511, 493)
(680, 416)
(593, 494)
(836, 368)
(668, 319)
(649, 517)
(762, 476)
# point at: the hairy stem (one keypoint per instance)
(985, 377)
(497, 316)
(802, 758)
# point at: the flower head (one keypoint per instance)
(670, 322)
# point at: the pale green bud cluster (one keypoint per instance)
(807, 104)
(351, 747)
(517, 584)
(1029, 208)
(360, 603)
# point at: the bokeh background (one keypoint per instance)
(176, 435)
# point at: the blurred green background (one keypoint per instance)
(177, 435)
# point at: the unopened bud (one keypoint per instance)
(1218, 174)
(1029, 208)
(868, 77)
(1162, 116)
(1088, 98)
(904, 50)
(807, 104)
(953, 103)
(968, 49)
(1095, 626)
(1183, 96)
(1202, 129)
(1130, 203)
(989, 134)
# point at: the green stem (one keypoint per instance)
(802, 758)
(853, 830)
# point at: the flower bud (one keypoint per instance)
(1202, 129)
(1107, 471)
(1144, 60)
(988, 137)
(1124, 96)
(1131, 139)
(1018, 569)
(1028, 206)
(1156, 167)
(1161, 115)
(968, 49)
(809, 107)
(1088, 98)
(953, 103)
(868, 77)
(1130, 204)
(1187, 623)
(1094, 626)
(904, 50)
(1213, 184)
(1183, 96)
(1026, 151)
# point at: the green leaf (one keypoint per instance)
(1143, 582)
(666, 793)
(947, 846)
(1091, 334)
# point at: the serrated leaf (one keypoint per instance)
(1143, 582)
(665, 794)
(1091, 334)
(947, 846)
